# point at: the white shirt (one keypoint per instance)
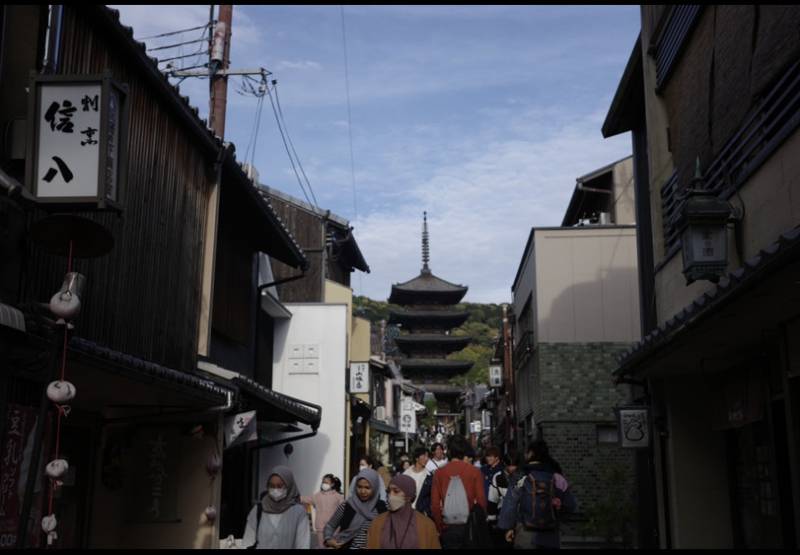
(419, 478)
(434, 464)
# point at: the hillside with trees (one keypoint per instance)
(483, 326)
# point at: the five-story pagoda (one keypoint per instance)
(426, 320)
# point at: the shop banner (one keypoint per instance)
(17, 448)
(153, 471)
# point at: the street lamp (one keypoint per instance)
(702, 222)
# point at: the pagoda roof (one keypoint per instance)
(420, 341)
(436, 318)
(433, 367)
(427, 287)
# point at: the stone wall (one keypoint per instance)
(575, 393)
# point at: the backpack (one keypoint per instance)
(456, 505)
(423, 503)
(541, 514)
(259, 509)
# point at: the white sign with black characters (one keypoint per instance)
(408, 416)
(359, 377)
(69, 145)
(241, 428)
(634, 427)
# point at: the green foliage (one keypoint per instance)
(483, 326)
(613, 517)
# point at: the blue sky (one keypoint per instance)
(481, 115)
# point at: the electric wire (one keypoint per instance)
(288, 153)
(289, 137)
(349, 116)
(350, 131)
(171, 33)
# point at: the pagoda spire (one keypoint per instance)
(426, 249)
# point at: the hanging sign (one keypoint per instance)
(153, 468)
(241, 428)
(495, 376)
(408, 417)
(634, 427)
(75, 149)
(359, 377)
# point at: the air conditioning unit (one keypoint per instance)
(380, 413)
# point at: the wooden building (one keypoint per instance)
(163, 298)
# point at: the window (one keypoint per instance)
(607, 435)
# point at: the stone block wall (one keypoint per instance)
(574, 394)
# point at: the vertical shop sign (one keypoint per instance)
(154, 476)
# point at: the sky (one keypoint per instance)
(483, 116)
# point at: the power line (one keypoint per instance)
(288, 136)
(349, 116)
(176, 32)
(288, 153)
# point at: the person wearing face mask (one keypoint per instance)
(402, 527)
(279, 521)
(325, 503)
(348, 526)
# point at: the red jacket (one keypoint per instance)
(473, 484)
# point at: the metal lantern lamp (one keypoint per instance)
(703, 224)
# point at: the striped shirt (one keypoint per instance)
(360, 539)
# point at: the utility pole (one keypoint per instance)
(220, 60)
(511, 400)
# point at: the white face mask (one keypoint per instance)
(363, 466)
(326, 487)
(277, 493)
(396, 502)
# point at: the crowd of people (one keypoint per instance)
(435, 499)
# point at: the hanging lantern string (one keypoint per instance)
(61, 410)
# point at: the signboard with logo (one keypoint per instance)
(77, 142)
(241, 428)
(359, 377)
(408, 417)
(495, 376)
(634, 427)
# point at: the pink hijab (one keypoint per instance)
(400, 528)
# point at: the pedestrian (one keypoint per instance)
(384, 473)
(439, 460)
(347, 528)
(279, 521)
(418, 472)
(366, 461)
(325, 503)
(402, 527)
(455, 490)
(493, 466)
(510, 474)
(536, 524)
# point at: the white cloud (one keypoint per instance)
(302, 64)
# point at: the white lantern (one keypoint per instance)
(56, 468)
(61, 392)
(66, 303)
(214, 464)
(49, 524)
(211, 513)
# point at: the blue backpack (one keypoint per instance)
(536, 502)
(424, 498)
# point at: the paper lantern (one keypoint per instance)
(49, 524)
(211, 513)
(66, 303)
(56, 468)
(61, 392)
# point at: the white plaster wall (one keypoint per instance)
(587, 288)
(324, 325)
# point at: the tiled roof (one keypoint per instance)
(84, 346)
(304, 411)
(786, 249)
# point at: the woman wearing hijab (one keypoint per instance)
(280, 521)
(348, 526)
(402, 527)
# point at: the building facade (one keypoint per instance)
(718, 356)
(575, 308)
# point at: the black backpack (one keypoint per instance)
(424, 498)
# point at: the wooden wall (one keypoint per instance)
(144, 297)
(734, 54)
